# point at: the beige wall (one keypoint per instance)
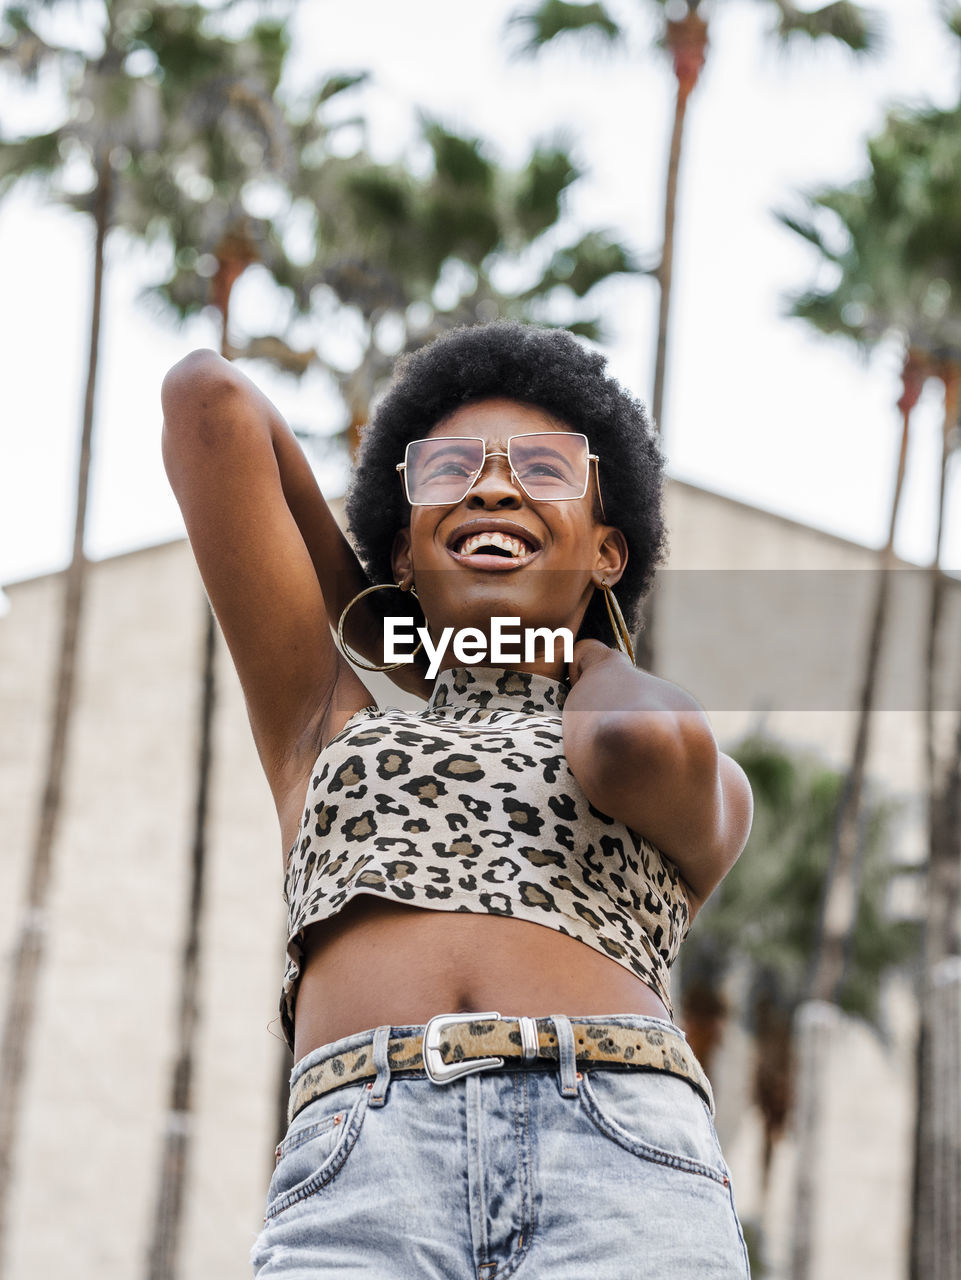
(94, 1110)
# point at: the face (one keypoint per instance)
(498, 552)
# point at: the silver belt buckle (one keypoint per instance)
(440, 1071)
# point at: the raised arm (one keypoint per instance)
(644, 752)
(263, 537)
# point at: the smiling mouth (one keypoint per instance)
(505, 545)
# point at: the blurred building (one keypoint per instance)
(763, 619)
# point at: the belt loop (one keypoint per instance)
(529, 1041)
(378, 1094)
(566, 1054)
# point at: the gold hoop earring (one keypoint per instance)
(622, 636)
(344, 647)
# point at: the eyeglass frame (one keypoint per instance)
(501, 453)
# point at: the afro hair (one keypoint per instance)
(546, 368)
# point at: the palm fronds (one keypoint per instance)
(554, 19)
(857, 28)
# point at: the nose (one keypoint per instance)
(495, 486)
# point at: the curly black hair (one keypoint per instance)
(547, 368)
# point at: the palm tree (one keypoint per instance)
(898, 271)
(683, 33)
(865, 307)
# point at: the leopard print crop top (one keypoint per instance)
(469, 805)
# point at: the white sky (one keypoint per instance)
(757, 407)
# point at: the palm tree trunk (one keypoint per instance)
(31, 941)
(839, 906)
(665, 268)
(705, 1013)
(945, 857)
(951, 376)
(645, 646)
(815, 1023)
(687, 40)
(162, 1259)
(936, 1188)
(935, 1250)
(163, 1255)
(922, 1197)
(773, 1077)
(944, 1068)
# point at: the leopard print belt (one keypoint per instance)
(454, 1045)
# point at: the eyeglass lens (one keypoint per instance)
(551, 466)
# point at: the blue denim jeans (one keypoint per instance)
(603, 1175)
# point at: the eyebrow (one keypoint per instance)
(544, 449)
(456, 442)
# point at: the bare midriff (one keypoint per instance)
(380, 962)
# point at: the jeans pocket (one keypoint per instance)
(656, 1116)
(316, 1147)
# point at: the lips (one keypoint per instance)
(493, 544)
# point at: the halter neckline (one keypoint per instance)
(498, 689)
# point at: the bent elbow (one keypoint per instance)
(206, 411)
(192, 383)
(636, 755)
(668, 741)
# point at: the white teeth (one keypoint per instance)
(503, 541)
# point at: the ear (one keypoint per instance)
(610, 559)
(400, 560)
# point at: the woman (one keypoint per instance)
(534, 842)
